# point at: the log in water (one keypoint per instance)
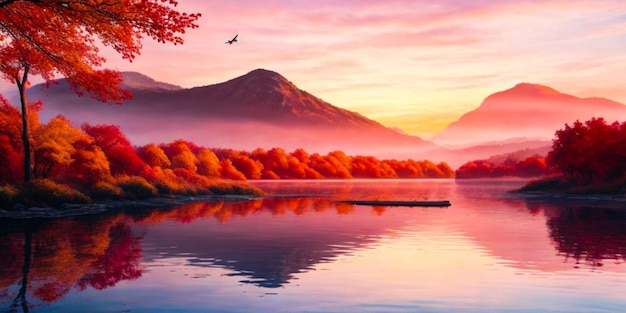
(440, 203)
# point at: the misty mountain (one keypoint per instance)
(138, 81)
(259, 109)
(527, 111)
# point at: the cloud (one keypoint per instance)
(361, 53)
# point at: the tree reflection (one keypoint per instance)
(60, 255)
(45, 260)
(589, 235)
(586, 235)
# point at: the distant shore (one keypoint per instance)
(561, 190)
(560, 185)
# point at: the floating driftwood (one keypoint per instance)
(441, 203)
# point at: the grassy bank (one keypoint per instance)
(559, 184)
(47, 193)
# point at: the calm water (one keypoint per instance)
(491, 251)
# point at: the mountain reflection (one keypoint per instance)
(268, 242)
(44, 260)
(583, 234)
(264, 252)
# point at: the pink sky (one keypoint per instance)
(412, 64)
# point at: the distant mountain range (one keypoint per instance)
(258, 109)
(264, 109)
(525, 112)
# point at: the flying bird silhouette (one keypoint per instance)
(230, 42)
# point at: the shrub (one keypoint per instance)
(105, 190)
(137, 187)
(8, 194)
(229, 187)
(547, 184)
(44, 192)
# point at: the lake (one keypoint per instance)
(302, 251)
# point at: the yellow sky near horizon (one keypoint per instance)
(415, 65)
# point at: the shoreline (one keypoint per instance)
(68, 210)
(608, 201)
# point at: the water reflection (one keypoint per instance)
(263, 250)
(276, 242)
(588, 236)
(44, 261)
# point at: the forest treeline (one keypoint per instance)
(98, 162)
(585, 157)
(531, 166)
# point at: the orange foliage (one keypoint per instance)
(230, 172)
(180, 154)
(208, 163)
(154, 156)
(277, 164)
(53, 145)
(89, 165)
(251, 169)
(99, 160)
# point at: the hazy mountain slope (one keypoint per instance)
(259, 109)
(526, 110)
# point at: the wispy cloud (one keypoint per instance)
(421, 58)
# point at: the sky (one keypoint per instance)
(413, 64)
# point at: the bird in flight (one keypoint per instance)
(230, 42)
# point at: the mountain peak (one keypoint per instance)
(262, 78)
(260, 72)
(526, 110)
(529, 89)
(138, 81)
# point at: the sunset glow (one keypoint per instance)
(417, 65)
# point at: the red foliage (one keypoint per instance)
(590, 152)
(10, 162)
(119, 262)
(530, 167)
(230, 172)
(122, 157)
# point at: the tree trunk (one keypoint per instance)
(21, 85)
(20, 299)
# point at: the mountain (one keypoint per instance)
(525, 111)
(138, 81)
(259, 109)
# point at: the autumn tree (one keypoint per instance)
(230, 172)
(180, 153)
(208, 163)
(54, 146)
(46, 37)
(251, 168)
(89, 164)
(590, 152)
(10, 144)
(154, 156)
(123, 159)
